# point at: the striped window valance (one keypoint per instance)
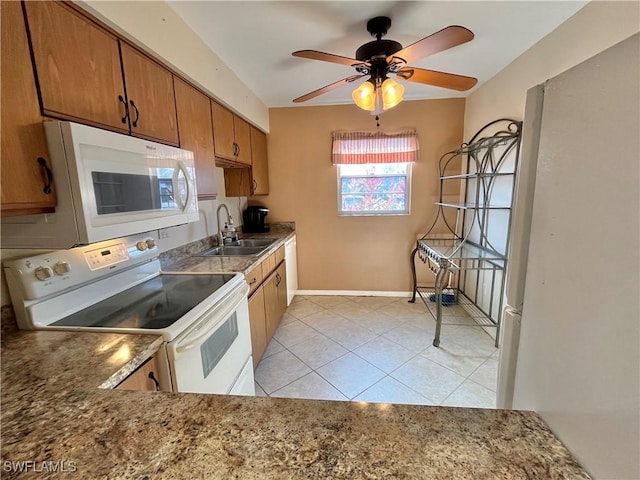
(374, 147)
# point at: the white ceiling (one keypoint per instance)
(256, 39)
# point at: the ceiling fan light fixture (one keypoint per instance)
(365, 96)
(392, 93)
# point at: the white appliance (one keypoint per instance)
(117, 286)
(571, 329)
(291, 261)
(108, 185)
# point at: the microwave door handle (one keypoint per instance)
(219, 316)
(182, 204)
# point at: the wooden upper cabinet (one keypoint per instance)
(259, 167)
(224, 139)
(23, 140)
(150, 96)
(242, 132)
(231, 137)
(247, 182)
(78, 66)
(196, 134)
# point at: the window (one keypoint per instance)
(374, 171)
(374, 189)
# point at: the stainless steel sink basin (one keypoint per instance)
(233, 251)
(245, 247)
(254, 242)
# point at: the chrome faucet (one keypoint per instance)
(220, 237)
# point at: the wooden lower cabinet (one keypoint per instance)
(143, 377)
(257, 321)
(266, 308)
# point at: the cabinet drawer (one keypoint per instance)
(144, 378)
(279, 255)
(254, 278)
(268, 265)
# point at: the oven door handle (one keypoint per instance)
(229, 306)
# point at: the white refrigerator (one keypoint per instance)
(571, 326)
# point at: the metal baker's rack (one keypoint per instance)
(466, 246)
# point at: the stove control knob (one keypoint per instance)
(142, 246)
(151, 243)
(43, 273)
(61, 268)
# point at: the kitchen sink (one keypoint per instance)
(245, 247)
(254, 242)
(233, 251)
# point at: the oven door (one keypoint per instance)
(210, 357)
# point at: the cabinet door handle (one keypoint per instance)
(253, 281)
(235, 149)
(135, 121)
(48, 175)
(255, 185)
(155, 381)
(126, 110)
(278, 278)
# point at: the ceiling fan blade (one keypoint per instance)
(437, 79)
(327, 88)
(326, 57)
(445, 39)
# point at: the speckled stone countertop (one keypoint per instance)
(53, 410)
(177, 262)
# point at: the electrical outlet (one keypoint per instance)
(163, 233)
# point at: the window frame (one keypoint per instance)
(375, 213)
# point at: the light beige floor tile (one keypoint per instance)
(327, 301)
(350, 335)
(349, 309)
(273, 348)
(350, 374)
(318, 351)
(259, 391)
(415, 337)
(294, 332)
(455, 357)
(398, 311)
(374, 302)
(324, 321)
(377, 322)
(279, 370)
(431, 380)
(487, 374)
(303, 309)
(311, 386)
(474, 338)
(389, 390)
(470, 394)
(384, 354)
(287, 318)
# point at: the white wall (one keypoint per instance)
(156, 27)
(597, 26)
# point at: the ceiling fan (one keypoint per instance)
(379, 58)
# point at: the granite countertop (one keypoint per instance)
(59, 412)
(53, 410)
(177, 261)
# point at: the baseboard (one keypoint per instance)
(353, 293)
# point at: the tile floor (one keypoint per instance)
(377, 349)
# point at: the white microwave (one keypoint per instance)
(108, 185)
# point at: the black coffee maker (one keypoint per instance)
(253, 219)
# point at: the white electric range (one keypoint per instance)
(118, 286)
